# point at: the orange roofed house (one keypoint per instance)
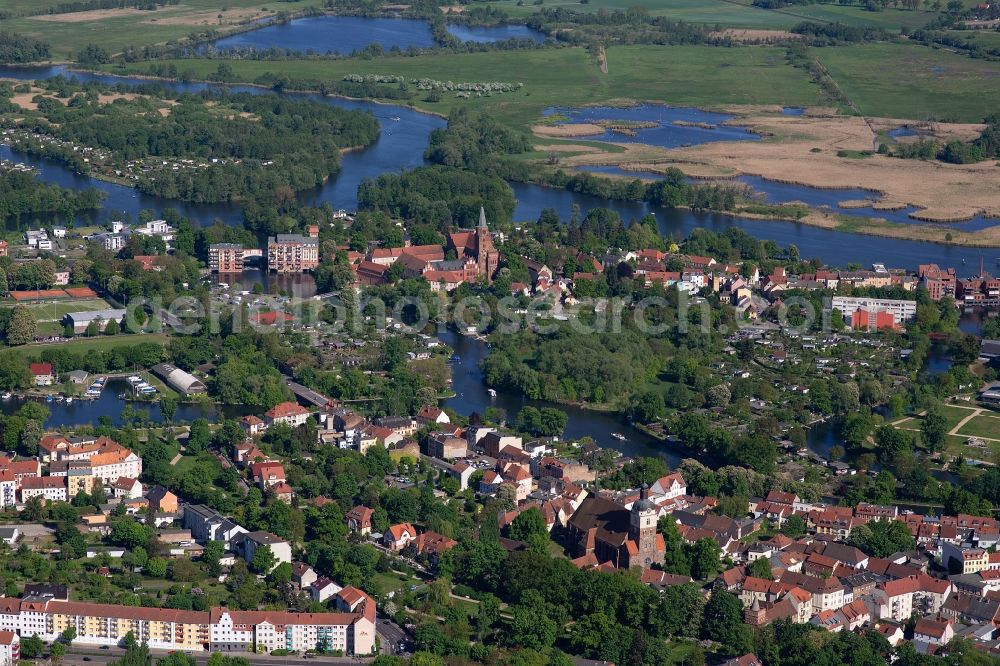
(267, 474)
(398, 537)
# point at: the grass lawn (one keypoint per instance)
(911, 81)
(952, 414)
(984, 425)
(389, 582)
(92, 344)
(118, 28)
(679, 75)
(186, 463)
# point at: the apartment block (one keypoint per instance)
(225, 258)
(218, 629)
(292, 253)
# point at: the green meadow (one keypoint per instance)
(681, 75)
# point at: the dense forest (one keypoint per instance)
(22, 193)
(628, 26)
(243, 144)
(16, 48)
(438, 195)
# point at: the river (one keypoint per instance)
(400, 146)
(110, 405)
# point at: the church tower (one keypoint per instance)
(642, 529)
(487, 258)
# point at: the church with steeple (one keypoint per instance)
(603, 531)
(477, 246)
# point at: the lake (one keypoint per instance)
(334, 34)
(670, 126)
(494, 33)
(346, 34)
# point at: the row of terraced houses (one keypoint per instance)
(219, 629)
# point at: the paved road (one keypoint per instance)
(392, 635)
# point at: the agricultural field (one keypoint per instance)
(680, 75)
(911, 81)
(737, 13)
(989, 39)
(724, 12)
(884, 80)
(115, 29)
(854, 15)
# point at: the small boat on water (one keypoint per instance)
(7, 395)
(49, 398)
(454, 358)
(492, 392)
(69, 400)
(619, 436)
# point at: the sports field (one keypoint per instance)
(55, 311)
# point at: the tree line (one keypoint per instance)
(23, 193)
(16, 48)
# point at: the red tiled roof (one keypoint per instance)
(895, 588)
(286, 409)
(41, 369)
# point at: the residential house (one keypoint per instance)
(246, 545)
(267, 474)
(359, 519)
(398, 537)
(252, 425)
(289, 413)
(896, 597)
(162, 500)
(303, 575)
(42, 374)
(463, 472)
(929, 634)
(126, 488)
(322, 589)
(432, 414)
